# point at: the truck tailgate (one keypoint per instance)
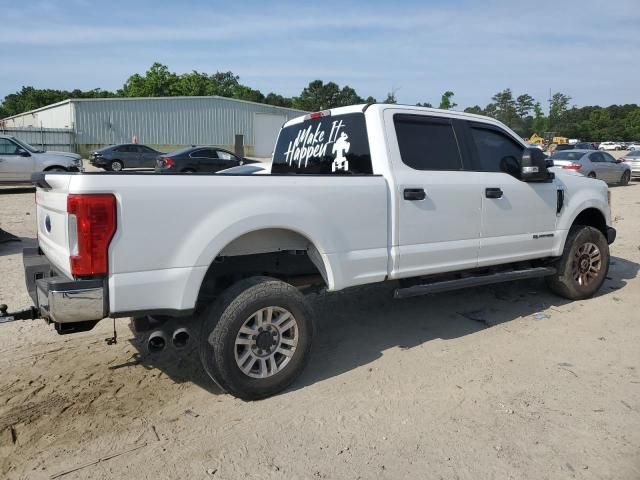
(52, 218)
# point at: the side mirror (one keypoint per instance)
(534, 166)
(22, 152)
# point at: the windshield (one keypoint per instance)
(26, 146)
(567, 155)
(325, 145)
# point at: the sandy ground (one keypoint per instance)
(504, 382)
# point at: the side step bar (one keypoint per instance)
(446, 285)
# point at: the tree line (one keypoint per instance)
(524, 114)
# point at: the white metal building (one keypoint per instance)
(164, 123)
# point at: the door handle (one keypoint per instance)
(414, 194)
(493, 192)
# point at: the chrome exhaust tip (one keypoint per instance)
(181, 338)
(157, 341)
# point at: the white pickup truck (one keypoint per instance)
(431, 199)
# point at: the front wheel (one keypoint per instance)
(256, 338)
(626, 177)
(584, 264)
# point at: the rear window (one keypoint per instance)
(567, 155)
(325, 145)
(564, 146)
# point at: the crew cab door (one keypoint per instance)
(13, 166)
(518, 218)
(437, 204)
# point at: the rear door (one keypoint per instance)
(518, 218)
(13, 166)
(204, 160)
(147, 157)
(438, 204)
(600, 166)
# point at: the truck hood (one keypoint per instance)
(52, 155)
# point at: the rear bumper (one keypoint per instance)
(58, 298)
(611, 235)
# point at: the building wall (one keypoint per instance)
(169, 123)
(55, 116)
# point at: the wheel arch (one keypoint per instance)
(261, 249)
(591, 217)
(51, 167)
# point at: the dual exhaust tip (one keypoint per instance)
(159, 340)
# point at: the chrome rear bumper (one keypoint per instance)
(60, 299)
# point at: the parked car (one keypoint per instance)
(594, 164)
(633, 146)
(199, 160)
(585, 146)
(124, 155)
(230, 258)
(18, 160)
(564, 146)
(633, 160)
(610, 146)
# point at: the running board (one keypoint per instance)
(446, 285)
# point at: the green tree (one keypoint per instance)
(446, 102)
(558, 105)
(540, 123)
(504, 108)
(277, 100)
(158, 81)
(475, 109)
(524, 105)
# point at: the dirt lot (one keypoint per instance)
(502, 382)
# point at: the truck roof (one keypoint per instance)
(380, 107)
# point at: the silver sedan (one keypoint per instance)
(594, 164)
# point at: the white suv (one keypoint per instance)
(610, 146)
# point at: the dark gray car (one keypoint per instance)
(126, 155)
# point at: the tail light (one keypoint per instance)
(92, 223)
(572, 166)
(168, 162)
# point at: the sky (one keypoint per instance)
(587, 49)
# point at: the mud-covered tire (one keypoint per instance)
(221, 330)
(572, 279)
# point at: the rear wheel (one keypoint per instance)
(56, 169)
(583, 266)
(188, 170)
(256, 337)
(592, 175)
(626, 177)
(116, 166)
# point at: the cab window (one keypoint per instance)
(7, 147)
(495, 151)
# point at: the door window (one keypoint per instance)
(7, 147)
(496, 152)
(608, 157)
(427, 143)
(597, 157)
(203, 153)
